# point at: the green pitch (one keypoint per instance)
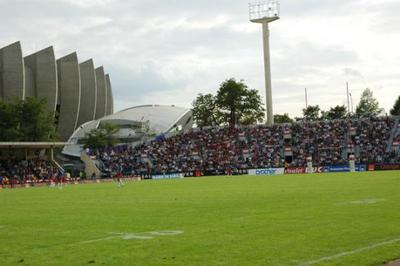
(322, 219)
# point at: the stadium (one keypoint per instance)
(89, 176)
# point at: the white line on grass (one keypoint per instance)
(137, 236)
(363, 201)
(367, 201)
(166, 233)
(346, 253)
(98, 240)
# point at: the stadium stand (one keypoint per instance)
(14, 172)
(214, 150)
(211, 151)
(28, 163)
(226, 150)
(395, 143)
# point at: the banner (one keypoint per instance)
(295, 170)
(267, 171)
(345, 168)
(167, 176)
(387, 167)
(303, 170)
(319, 169)
(371, 167)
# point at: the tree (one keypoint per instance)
(101, 137)
(242, 105)
(35, 122)
(338, 112)
(26, 120)
(9, 123)
(282, 119)
(251, 110)
(205, 111)
(311, 113)
(234, 103)
(396, 107)
(368, 105)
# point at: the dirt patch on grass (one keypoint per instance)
(393, 263)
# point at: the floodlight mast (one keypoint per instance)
(264, 13)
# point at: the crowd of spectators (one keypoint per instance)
(220, 150)
(211, 150)
(323, 141)
(372, 137)
(13, 172)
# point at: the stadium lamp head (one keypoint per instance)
(264, 12)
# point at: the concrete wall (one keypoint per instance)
(30, 90)
(42, 81)
(79, 92)
(101, 93)
(110, 100)
(69, 82)
(12, 74)
(88, 92)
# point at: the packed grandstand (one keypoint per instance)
(235, 150)
(221, 150)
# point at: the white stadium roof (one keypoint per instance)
(160, 119)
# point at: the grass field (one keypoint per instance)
(322, 219)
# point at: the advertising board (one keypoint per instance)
(387, 167)
(295, 170)
(167, 176)
(303, 170)
(267, 171)
(345, 168)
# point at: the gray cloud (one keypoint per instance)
(169, 51)
(352, 72)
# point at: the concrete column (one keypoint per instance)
(88, 92)
(12, 72)
(43, 82)
(267, 69)
(101, 93)
(69, 82)
(110, 100)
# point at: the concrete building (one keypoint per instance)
(89, 92)
(101, 93)
(110, 100)
(71, 89)
(12, 74)
(69, 97)
(41, 77)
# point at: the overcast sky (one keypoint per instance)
(168, 51)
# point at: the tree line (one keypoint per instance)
(234, 103)
(27, 120)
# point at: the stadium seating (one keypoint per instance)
(214, 150)
(15, 172)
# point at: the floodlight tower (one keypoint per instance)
(264, 13)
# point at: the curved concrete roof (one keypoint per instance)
(161, 119)
(75, 93)
(12, 74)
(69, 82)
(101, 93)
(88, 91)
(42, 82)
